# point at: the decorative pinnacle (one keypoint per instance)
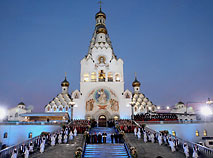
(100, 2)
(65, 75)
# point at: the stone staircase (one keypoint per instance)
(108, 150)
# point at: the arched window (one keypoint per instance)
(30, 135)
(197, 133)
(110, 77)
(5, 135)
(16, 114)
(127, 96)
(86, 77)
(48, 108)
(93, 77)
(54, 108)
(117, 78)
(101, 76)
(66, 108)
(60, 109)
(115, 117)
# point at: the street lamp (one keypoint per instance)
(72, 103)
(167, 107)
(158, 107)
(132, 105)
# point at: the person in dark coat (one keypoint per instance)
(99, 138)
(104, 135)
(95, 138)
(112, 137)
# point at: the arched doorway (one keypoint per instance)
(102, 121)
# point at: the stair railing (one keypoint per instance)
(7, 152)
(205, 151)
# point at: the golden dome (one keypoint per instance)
(65, 83)
(136, 83)
(100, 13)
(101, 29)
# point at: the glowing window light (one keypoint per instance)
(197, 133)
(167, 107)
(86, 77)
(158, 107)
(173, 133)
(205, 133)
(5, 135)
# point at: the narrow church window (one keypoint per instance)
(5, 135)
(60, 109)
(48, 108)
(54, 108)
(66, 108)
(110, 77)
(117, 78)
(101, 76)
(30, 135)
(93, 76)
(86, 77)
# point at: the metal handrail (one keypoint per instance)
(203, 150)
(7, 152)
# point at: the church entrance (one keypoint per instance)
(102, 121)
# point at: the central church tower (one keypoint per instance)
(102, 95)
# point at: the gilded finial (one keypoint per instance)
(100, 2)
(65, 74)
(135, 75)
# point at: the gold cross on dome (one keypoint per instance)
(100, 2)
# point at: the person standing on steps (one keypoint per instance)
(104, 135)
(112, 137)
(99, 138)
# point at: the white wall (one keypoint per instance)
(19, 133)
(186, 131)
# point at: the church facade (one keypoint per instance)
(102, 95)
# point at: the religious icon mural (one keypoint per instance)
(90, 105)
(114, 105)
(102, 99)
(102, 96)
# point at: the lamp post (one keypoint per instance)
(132, 105)
(71, 105)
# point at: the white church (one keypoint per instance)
(102, 95)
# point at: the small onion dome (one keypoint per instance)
(100, 13)
(65, 83)
(136, 83)
(101, 29)
(21, 103)
(180, 102)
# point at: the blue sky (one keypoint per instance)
(169, 44)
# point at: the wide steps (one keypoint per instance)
(107, 150)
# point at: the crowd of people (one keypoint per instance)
(45, 139)
(126, 125)
(156, 117)
(166, 139)
(81, 125)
